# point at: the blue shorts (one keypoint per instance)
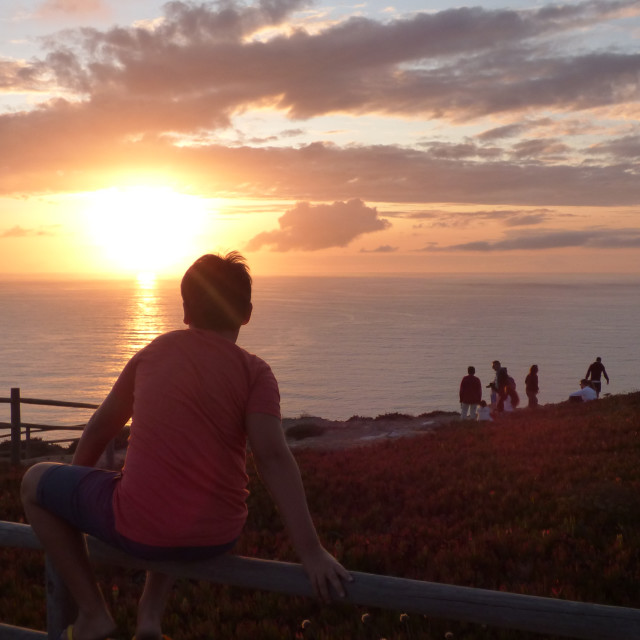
(82, 496)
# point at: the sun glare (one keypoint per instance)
(146, 230)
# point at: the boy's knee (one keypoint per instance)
(31, 480)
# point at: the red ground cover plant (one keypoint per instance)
(542, 502)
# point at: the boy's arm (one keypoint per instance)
(279, 471)
(108, 419)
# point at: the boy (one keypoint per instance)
(195, 398)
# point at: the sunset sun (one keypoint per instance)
(145, 230)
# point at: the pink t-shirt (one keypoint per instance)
(184, 479)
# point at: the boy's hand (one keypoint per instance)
(324, 571)
(280, 473)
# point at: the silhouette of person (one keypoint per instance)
(531, 386)
(470, 394)
(594, 373)
(499, 385)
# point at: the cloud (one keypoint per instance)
(460, 151)
(312, 227)
(458, 63)
(557, 239)
(57, 8)
(385, 248)
(149, 99)
(453, 218)
(627, 147)
(40, 155)
(526, 219)
(541, 147)
(506, 131)
(21, 232)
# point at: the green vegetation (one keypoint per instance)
(543, 503)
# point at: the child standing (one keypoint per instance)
(531, 386)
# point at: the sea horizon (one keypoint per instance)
(340, 345)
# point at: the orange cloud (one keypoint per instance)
(311, 227)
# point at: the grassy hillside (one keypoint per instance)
(542, 503)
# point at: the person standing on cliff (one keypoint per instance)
(499, 386)
(594, 373)
(470, 394)
(531, 386)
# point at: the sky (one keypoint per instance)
(317, 138)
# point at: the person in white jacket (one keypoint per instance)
(586, 393)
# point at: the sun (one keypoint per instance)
(146, 230)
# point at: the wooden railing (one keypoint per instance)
(481, 606)
(19, 428)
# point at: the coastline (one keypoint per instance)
(312, 432)
(321, 434)
(309, 432)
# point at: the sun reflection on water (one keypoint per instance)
(146, 314)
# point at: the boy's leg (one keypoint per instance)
(151, 606)
(67, 550)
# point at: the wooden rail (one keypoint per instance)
(481, 606)
(17, 426)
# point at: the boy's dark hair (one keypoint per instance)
(471, 370)
(216, 291)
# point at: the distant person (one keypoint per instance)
(507, 405)
(594, 373)
(470, 394)
(195, 399)
(505, 387)
(498, 384)
(511, 399)
(484, 412)
(531, 386)
(585, 394)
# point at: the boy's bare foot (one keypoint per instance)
(90, 628)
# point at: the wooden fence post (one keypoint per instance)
(61, 608)
(15, 426)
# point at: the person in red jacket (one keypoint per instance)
(470, 394)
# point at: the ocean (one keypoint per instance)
(340, 346)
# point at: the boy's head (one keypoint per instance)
(216, 292)
(471, 370)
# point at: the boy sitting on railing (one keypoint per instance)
(195, 398)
